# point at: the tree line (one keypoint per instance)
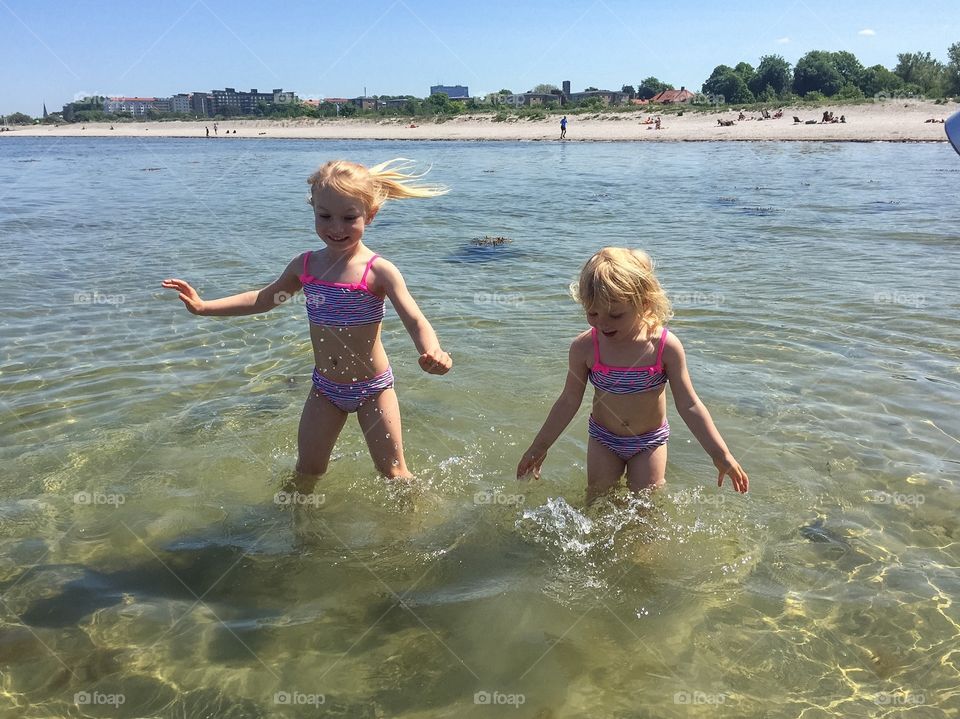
(821, 73)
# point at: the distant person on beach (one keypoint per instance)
(630, 357)
(563, 127)
(208, 131)
(344, 286)
(214, 128)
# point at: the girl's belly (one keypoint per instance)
(348, 354)
(630, 414)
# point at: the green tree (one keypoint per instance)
(726, 83)
(18, 118)
(544, 88)
(650, 87)
(849, 67)
(878, 80)
(505, 92)
(439, 104)
(628, 90)
(731, 87)
(773, 72)
(923, 70)
(816, 72)
(745, 71)
(952, 84)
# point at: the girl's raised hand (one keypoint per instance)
(530, 462)
(435, 361)
(189, 295)
(727, 465)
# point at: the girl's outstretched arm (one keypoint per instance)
(697, 418)
(432, 358)
(245, 303)
(562, 412)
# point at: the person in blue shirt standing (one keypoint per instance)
(563, 127)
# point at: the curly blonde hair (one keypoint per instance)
(617, 274)
(374, 185)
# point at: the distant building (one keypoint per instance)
(136, 106)
(201, 104)
(667, 97)
(230, 102)
(533, 99)
(608, 97)
(180, 103)
(365, 103)
(454, 92)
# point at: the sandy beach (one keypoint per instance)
(870, 122)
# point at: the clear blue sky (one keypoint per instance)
(55, 50)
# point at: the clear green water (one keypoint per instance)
(816, 293)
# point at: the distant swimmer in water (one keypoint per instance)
(630, 357)
(344, 285)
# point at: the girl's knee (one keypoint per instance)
(311, 467)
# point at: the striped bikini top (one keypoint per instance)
(627, 380)
(340, 304)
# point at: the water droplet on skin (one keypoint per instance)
(396, 463)
(388, 435)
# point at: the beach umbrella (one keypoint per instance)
(952, 126)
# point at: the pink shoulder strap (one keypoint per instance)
(363, 280)
(663, 341)
(306, 258)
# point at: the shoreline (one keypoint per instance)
(870, 122)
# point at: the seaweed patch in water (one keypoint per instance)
(761, 211)
(488, 241)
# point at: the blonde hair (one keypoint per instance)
(617, 274)
(374, 185)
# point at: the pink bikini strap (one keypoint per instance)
(596, 348)
(306, 258)
(363, 280)
(663, 341)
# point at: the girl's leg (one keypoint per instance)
(647, 470)
(604, 469)
(320, 425)
(380, 422)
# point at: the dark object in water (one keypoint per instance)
(488, 241)
(817, 532)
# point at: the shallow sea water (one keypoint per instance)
(148, 566)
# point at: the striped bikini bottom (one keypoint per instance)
(628, 447)
(349, 397)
